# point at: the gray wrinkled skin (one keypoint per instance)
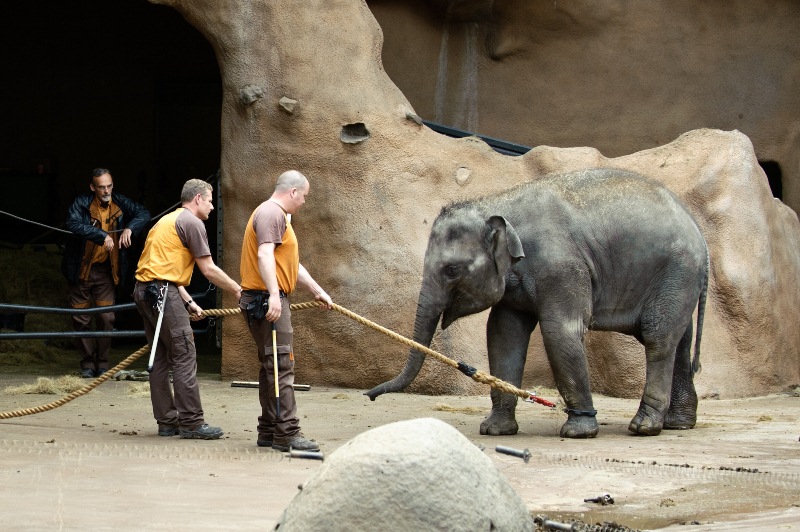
(599, 249)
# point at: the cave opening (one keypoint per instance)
(130, 86)
(774, 176)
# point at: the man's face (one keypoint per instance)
(204, 206)
(101, 186)
(297, 198)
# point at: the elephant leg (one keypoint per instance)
(502, 419)
(508, 334)
(660, 359)
(682, 413)
(563, 341)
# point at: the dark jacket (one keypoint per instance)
(79, 222)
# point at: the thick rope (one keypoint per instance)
(77, 393)
(476, 375)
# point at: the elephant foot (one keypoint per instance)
(682, 413)
(499, 424)
(647, 422)
(680, 420)
(580, 426)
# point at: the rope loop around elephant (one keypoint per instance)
(479, 376)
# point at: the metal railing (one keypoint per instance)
(47, 335)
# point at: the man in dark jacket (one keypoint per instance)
(95, 260)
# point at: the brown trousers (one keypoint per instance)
(97, 290)
(177, 404)
(283, 428)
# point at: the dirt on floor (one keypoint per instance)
(97, 463)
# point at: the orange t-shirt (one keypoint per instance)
(99, 253)
(270, 225)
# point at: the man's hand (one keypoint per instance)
(108, 243)
(274, 310)
(325, 298)
(195, 312)
(125, 238)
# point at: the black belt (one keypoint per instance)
(257, 292)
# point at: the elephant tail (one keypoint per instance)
(701, 309)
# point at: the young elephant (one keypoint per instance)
(599, 249)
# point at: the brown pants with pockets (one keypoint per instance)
(97, 290)
(177, 404)
(280, 429)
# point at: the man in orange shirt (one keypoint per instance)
(172, 248)
(270, 270)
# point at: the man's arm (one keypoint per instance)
(305, 280)
(136, 217)
(75, 223)
(269, 274)
(194, 310)
(215, 274)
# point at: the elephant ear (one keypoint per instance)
(506, 242)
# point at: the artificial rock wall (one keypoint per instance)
(304, 88)
(620, 76)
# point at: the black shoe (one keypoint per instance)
(87, 373)
(168, 430)
(203, 432)
(298, 443)
(100, 372)
(264, 442)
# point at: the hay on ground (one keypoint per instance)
(138, 389)
(48, 386)
(444, 407)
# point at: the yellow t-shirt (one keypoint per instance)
(171, 248)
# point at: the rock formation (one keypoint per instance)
(621, 77)
(304, 88)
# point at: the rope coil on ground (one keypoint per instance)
(476, 375)
(77, 393)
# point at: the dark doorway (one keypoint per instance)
(774, 176)
(125, 85)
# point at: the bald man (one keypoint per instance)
(271, 270)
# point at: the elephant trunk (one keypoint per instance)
(424, 326)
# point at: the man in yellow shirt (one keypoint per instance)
(270, 270)
(172, 248)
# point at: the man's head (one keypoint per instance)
(101, 184)
(196, 196)
(291, 190)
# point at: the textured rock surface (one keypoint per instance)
(420, 474)
(364, 228)
(618, 76)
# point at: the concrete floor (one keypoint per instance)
(96, 463)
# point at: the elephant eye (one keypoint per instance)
(450, 271)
